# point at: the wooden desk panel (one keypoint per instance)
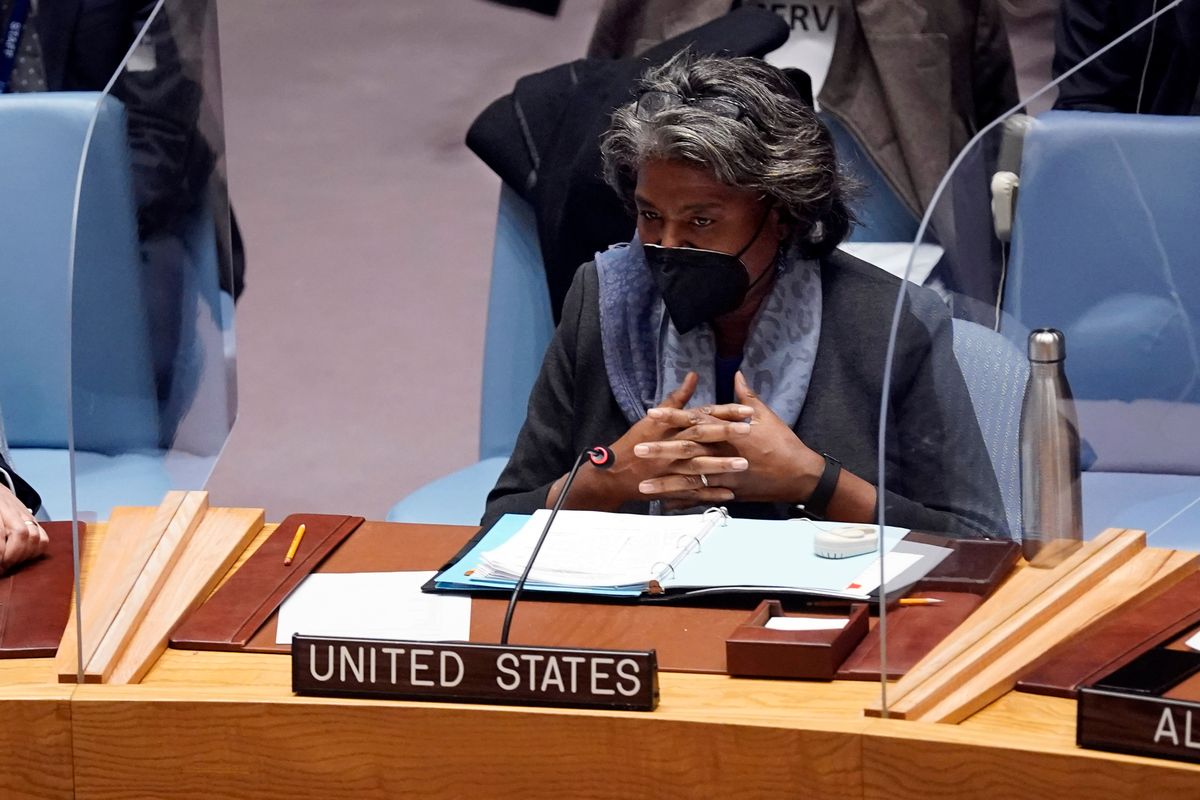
(713, 736)
(36, 759)
(195, 728)
(35, 731)
(226, 725)
(1021, 746)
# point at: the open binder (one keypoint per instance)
(634, 555)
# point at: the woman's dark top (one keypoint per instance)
(939, 476)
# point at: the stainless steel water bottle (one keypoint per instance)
(1051, 500)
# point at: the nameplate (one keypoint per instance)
(459, 672)
(1138, 725)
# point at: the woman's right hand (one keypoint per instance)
(21, 538)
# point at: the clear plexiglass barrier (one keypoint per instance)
(152, 391)
(153, 377)
(1042, 381)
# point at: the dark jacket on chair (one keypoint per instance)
(543, 140)
(83, 45)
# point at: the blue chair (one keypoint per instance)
(519, 328)
(1105, 245)
(996, 373)
(882, 215)
(90, 323)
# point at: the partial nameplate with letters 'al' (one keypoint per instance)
(460, 672)
(1138, 725)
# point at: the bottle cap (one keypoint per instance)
(1047, 345)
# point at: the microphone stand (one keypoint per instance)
(471, 672)
(602, 458)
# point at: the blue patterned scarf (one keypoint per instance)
(646, 358)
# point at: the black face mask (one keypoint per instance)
(700, 285)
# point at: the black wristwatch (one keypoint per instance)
(818, 502)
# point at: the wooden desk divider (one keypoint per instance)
(1149, 568)
(151, 568)
(222, 536)
(117, 563)
(171, 543)
(1030, 599)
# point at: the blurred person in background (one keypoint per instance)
(1155, 71)
(79, 45)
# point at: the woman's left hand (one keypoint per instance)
(780, 467)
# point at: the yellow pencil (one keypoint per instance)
(287, 562)
(920, 601)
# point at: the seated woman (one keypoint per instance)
(21, 538)
(730, 354)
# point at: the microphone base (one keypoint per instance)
(465, 672)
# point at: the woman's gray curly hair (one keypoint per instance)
(778, 148)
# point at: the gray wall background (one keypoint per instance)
(368, 228)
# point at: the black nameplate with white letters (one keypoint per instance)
(1138, 724)
(460, 672)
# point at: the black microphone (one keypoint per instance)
(601, 458)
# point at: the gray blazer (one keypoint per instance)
(939, 477)
(911, 79)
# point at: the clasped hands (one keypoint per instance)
(713, 454)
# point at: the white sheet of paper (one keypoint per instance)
(373, 605)
(806, 624)
(893, 257)
(1194, 642)
(893, 564)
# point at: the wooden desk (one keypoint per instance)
(35, 731)
(226, 725)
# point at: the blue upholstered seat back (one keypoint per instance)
(996, 373)
(519, 326)
(42, 138)
(1106, 247)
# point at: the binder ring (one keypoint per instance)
(655, 568)
(695, 539)
(717, 512)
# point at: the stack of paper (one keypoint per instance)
(589, 548)
(625, 555)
